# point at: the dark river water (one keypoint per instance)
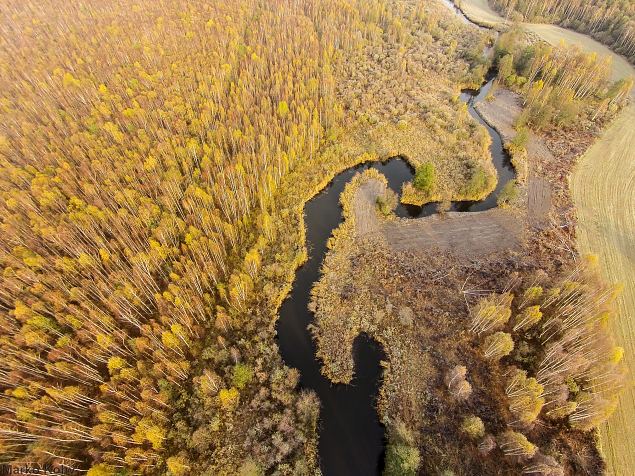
(352, 438)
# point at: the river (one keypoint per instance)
(351, 437)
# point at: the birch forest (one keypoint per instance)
(152, 156)
(610, 22)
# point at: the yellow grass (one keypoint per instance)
(603, 188)
(480, 12)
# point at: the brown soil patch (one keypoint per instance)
(538, 202)
(468, 235)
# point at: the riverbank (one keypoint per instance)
(413, 301)
(602, 186)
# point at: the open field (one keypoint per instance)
(480, 12)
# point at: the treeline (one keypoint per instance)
(152, 159)
(611, 22)
(558, 83)
(560, 365)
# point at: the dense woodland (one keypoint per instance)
(154, 159)
(611, 22)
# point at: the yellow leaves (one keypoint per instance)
(62, 394)
(103, 90)
(21, 393)
(473, 427)
(104, 255)
(158, 249)
(29, 258)
(104, 109)
(177, 466)
(101, 470)
(617, 354)
(21, 311)
(170, 340)
(283, 109)
(497, 345)
(155, 435)
(114, 131)
(75, 204)
(616, 291)
(23, 413)
(104, 341)
(179, 330)
(150, 164)
(591, 260)
(44, 323)
(226, 68)
(129, 113)
(229, 399)
(70, 81)
(34, 338)
(44, 189)
(11, 203)
(63, 341)
(252, 262)
(74, 322)
(115, 363)
(603, 318)
(529, 317)
(201, 194)
(85, 260)
(66, 264)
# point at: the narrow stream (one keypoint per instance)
(351, 436)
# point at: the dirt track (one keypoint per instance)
(473, 235)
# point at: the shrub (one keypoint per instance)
(402, 455)
(242, 375)
(401, 460)
(521, 138)
(425, 178)
(478, 184)
(473, 427)
(387, 203)
(508, 194)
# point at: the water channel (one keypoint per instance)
(351, 437)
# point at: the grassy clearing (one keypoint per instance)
(480, 13)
